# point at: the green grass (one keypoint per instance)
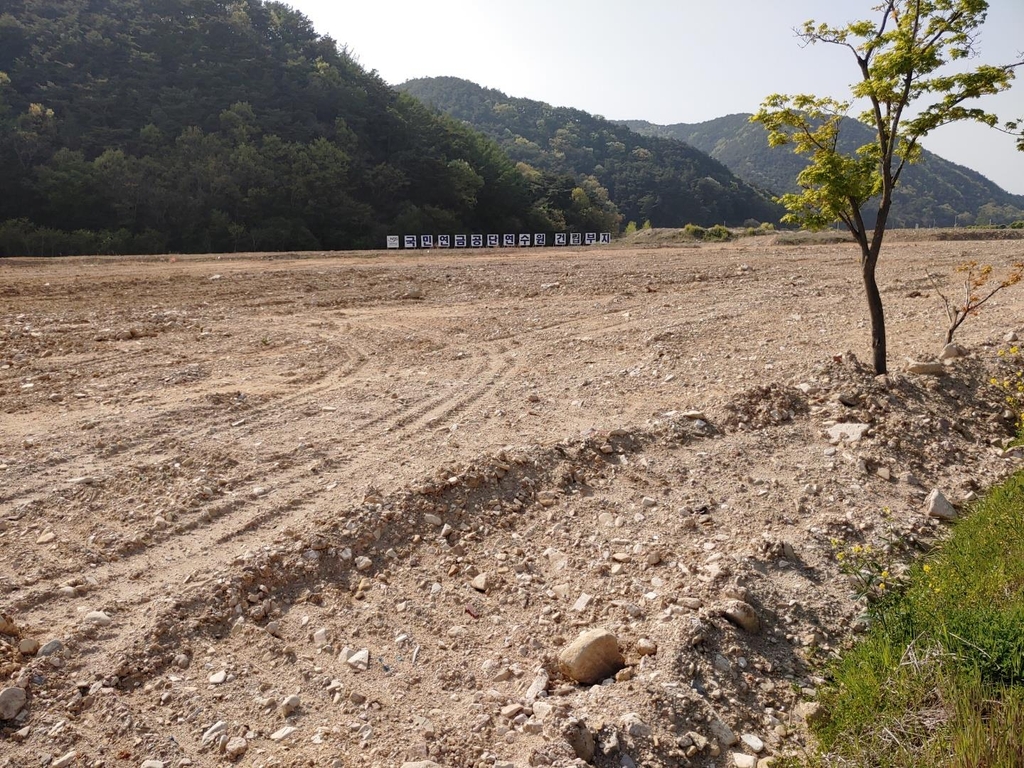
(939, 680)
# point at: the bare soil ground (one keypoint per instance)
(224, 478)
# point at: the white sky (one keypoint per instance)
(659, 60)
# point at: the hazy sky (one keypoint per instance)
(657, 60)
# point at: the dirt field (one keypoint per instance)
(224, 479)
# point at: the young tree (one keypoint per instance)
(902, 56)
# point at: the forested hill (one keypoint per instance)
(656, 179)
(202, 125)
(933, 192)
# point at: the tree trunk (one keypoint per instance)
(877, 315)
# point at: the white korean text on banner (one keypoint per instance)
(507, 240)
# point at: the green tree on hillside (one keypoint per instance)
(901, 56)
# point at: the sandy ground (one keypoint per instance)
(224, 478)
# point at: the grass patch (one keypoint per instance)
(939, 680)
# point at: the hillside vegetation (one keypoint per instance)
(932, 193)
(193, 125)
(651, 179)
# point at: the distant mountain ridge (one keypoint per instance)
(933, 192)
(647, 177)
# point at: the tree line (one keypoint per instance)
(154, 126)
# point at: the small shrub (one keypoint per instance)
(694, 231)
(647, 224)
(975, 279)
(630, 228)
(1011, 381)
(718, 232)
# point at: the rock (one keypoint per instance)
(99, 618)
(480, 583)
(753, 741)
(283, 733)
(580, 739)
(433, 520)
(849, 432)
(214, 731)
(12, 700)
(289, 705)
(421, 764)
(363, 563)
(218, 678)
(582, 602)
(938, 506)
(926, 367)
(537, 687)
(52, 647)
(46, 537)
(236, 747)
(1010, 337)
(741, 760)
(591, 657)
(952, 351)
(810, 712)
(634, 726)
(742, 615)
(7, 626)
(65, 760)
(723, 733)
(849, 399)
(359, 660)
(28, 646)
(646, 647)
(152, 764)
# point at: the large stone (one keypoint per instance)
(7, 626)
(938, 506)
(99, 618)
(723, 733)
(591, 657)
(11, 702)
(421, 764)
(742, 615)
(52, 647)
(236, 747)
(809, 712)
(952, 351)
(580, 739)
(926, 367)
